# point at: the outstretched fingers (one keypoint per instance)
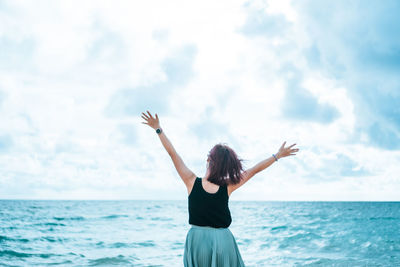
(150, 114)
(150, 120)
(143, 114)
(283, 145)
(293, 151)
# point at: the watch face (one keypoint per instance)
(158, 130)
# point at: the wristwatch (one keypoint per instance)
(158, 130)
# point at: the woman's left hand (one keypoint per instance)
(151, 121)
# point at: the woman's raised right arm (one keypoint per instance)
(262, 165)
(283, 152)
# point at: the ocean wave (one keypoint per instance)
(7, 238)
(114, 216)
(161, 219)
(120, 259)
(59, 263)
(74, 218)
(278, 228)
(49, 224)
(54, 239)
(120, 245)
(304, 236)
(148, 243)
(36, 207)
(51, 239)
(300, 239)
(12, 253)
(9, 228)
(382, 218)
(100, 244)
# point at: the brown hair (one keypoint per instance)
(225, 166)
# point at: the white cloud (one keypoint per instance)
(224, 75)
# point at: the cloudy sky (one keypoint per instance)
(76, 75)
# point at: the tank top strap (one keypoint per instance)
(197, 184)
(198, 180)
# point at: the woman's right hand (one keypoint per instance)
(286, 151)
(150, 120)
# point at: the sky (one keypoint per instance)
(76, 75)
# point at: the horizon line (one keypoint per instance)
(40, 199)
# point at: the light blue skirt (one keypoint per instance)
(211, 247)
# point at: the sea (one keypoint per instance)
(153, 232)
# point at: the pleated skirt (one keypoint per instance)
(211, 247)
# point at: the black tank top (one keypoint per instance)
(207, 209)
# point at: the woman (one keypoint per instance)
(209, 241)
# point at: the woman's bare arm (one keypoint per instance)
(262, 165)
(184, 172)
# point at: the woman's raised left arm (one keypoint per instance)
(184, 172)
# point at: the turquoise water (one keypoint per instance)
(152, 233)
